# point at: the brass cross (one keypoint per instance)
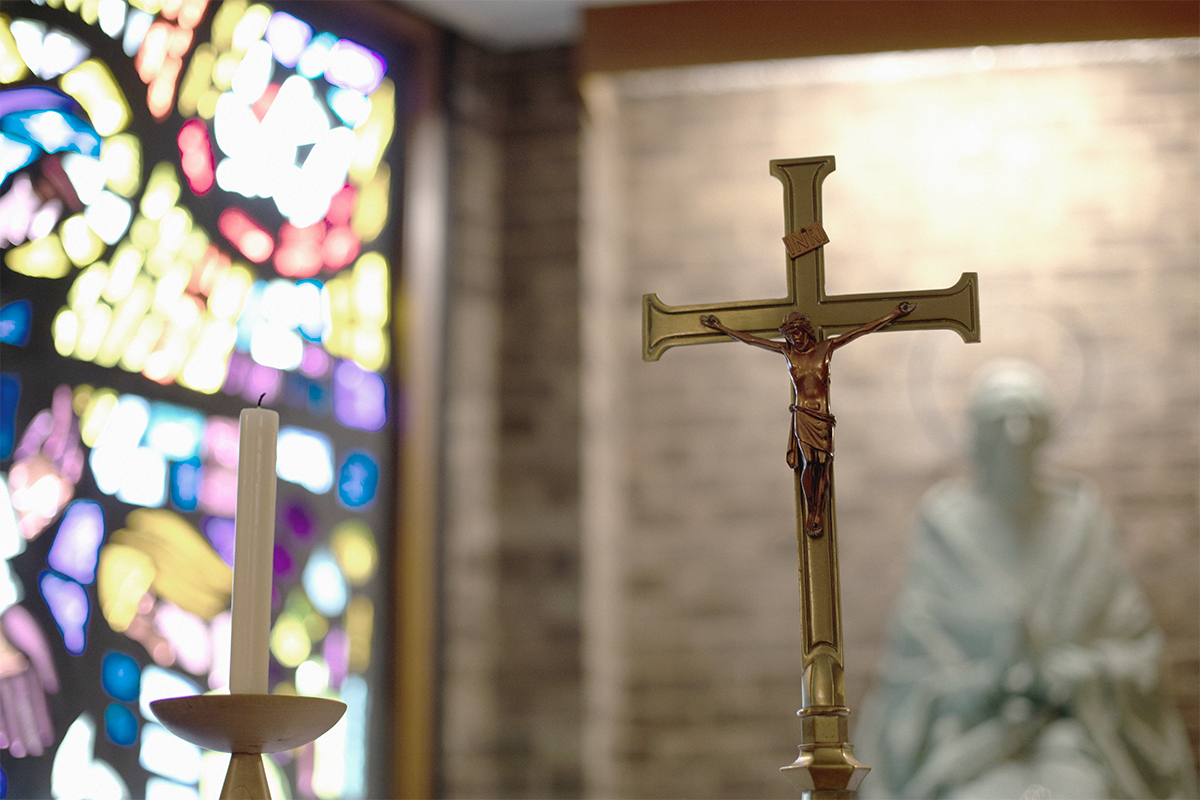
(826, 759)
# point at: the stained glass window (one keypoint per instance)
(196, 215)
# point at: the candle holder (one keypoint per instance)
(247, 726)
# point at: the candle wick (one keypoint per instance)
(260, 399)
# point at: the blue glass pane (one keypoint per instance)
(185, 484)
(175, 431)
(120, 725)
(15, 319)
(120, 676)
(19, 153)
(358, 480)
(10, 391)
(53, 131)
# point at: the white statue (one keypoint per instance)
(1023, 660)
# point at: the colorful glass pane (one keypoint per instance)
(68, 603)
(120, 726)
(209, 185)
(358, 479)
(77, 544)
(121, 677)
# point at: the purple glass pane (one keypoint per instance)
(77, 544)
(355, 67)
(68, 602)
(283, 562)
(315, 361)
(221, 440)
(220, 532)
(288, 38)
(298, 520)
(337, 655)
(264, 382)
(359, 397)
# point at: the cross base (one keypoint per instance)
(826, 768)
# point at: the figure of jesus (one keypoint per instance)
(810, 441)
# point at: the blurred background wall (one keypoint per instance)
(620, 601)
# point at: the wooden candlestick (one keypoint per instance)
(246, 726)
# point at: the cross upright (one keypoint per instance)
(826, 766)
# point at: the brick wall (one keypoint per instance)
(1066, 176)
(647, 504)
(511, 708)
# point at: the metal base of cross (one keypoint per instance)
(826, 768)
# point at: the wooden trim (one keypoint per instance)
(632, 37)
(418, 297)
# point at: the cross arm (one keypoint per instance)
(665, 326)
(955, 308)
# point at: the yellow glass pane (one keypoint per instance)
(162, 192)
(197, 80)
(229, 294)
(169, 290)
(251, 27)
(95, 325)
(189, 574)
(126, 264)
(81, 396)
(123, 576)
(195, 244)
(91, 420)
(151, 6)
(360, 619)
(315, 624)
(375, 133)
(65, 330)
(204, 370)
(226, 18)
(206, 105)
(289, 640)
(41, 258)
(354, 548)
(80, 242)
(89, 11)
(143, 233)
(371, 349)
(121, 157)
(93, 85)
(224, 70)
(173, 229)
(12, 66)
(127, 318)
(86, 289)
(371, 211)
(371, 296)
(143, 344)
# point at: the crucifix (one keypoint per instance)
(813, 325)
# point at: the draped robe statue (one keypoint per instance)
(1023, 661)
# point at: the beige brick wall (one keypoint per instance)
(1066, 176)
(619, 597)
(511, 670)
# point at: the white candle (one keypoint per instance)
(254, 549)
